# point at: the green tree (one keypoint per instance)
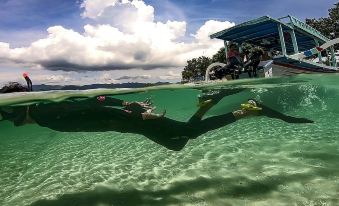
(195, 69)
(220, 56)
(327, 25)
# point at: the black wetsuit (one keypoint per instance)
(169, 133)
(93, 116)
(252, 65)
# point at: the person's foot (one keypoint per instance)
(251, 108)
(251, 105)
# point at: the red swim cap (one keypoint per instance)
(25, 74)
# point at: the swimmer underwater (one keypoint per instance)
(101, 114)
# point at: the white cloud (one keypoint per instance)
(210, 27)
(124, 36)
(94, 9)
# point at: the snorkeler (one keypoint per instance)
(139, 110)
(28, 81)
(90, 116)
(251, 66)
(17, 87)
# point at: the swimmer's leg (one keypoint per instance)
(198, 115)
(268, 112)
(212, 123)
(208, 101)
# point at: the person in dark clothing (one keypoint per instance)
(233, 66)
(251, 66)
(89, 115)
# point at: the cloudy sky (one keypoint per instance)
(113, 41)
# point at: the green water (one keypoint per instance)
(254, 161)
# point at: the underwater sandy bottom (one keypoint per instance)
(247, 163)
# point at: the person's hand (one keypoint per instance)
(147, 104)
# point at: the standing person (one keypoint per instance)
(254, 60)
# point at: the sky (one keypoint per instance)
(114, 41)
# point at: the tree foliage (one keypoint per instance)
(327, 25)
(220, 56)
(195, 69)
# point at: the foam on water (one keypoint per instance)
(254, 161)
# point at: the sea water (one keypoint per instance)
(253, 161)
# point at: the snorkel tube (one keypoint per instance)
(28, 81)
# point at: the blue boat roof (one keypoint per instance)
(264, 32)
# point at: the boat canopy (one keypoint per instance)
(287, 34)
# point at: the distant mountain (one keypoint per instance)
(44, 87)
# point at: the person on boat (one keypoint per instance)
(17, 87)
(90, 116)
(251, 66)
(233, 66)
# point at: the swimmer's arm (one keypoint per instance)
(110, 101)
(150, 115)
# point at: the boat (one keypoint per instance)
(295, 47)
